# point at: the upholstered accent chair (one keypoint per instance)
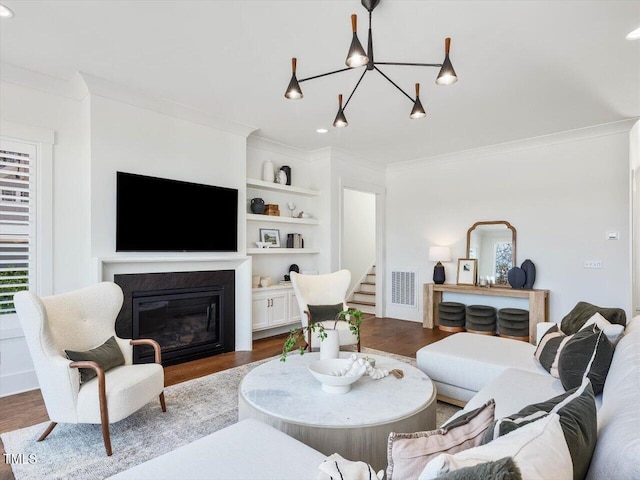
(328, 289)
(80, 321)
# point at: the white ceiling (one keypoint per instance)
(526, 68)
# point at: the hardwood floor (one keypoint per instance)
(386, 334)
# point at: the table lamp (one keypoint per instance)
(439, 254)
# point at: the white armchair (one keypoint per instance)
(329, 289)
(80, 321)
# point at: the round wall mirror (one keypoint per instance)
(493, 244)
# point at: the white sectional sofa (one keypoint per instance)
(475, 368)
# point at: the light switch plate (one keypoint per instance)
(613, 235)
(593, 264)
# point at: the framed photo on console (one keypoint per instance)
(270, 236)
(467, 271)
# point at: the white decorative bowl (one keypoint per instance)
(330, 383)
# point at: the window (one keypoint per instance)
(17, 220)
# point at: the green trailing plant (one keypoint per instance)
(296, 335)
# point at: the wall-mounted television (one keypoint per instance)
(162, 215)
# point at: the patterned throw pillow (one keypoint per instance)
(588, 353)
(408, 453)
(548, 350)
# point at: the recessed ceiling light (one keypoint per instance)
(5, 12)
(322, 130)
(635, 35)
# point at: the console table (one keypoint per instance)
(538, 302)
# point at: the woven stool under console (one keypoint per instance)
(514, 323)
(480, 319)
(451, 316)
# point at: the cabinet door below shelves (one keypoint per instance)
(294, 308)
(260, 312)
(278, 309)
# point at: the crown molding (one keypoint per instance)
(39, 81)
(341, 155)
(103, 88)
(605, 129)
(271, 146)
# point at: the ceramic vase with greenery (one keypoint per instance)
(352, 317)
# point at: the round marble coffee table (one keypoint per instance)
(355, 424)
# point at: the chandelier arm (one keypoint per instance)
(395, 85)
(354, 89)
(411, 64)
(325, 74)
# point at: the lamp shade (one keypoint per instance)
(439, 254)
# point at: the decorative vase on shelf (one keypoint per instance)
(516, 277)
(330, 346)
(530, 273)
(282, 177)
(268, 173)
(287, 170)
(257, 206)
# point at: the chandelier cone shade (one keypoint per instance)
(341, 120)
(417, 111)
(293, 91)
(356, 57)
(447, 75)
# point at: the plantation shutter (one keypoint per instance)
(17, 220)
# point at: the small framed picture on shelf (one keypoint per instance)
(467, 271)
(270, 236)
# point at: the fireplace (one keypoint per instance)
(190, 314)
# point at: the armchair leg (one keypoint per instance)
(162, 402)
(358, 346)
(51, 426)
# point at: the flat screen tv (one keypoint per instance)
(161, 215)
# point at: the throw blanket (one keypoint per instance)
(337, 468)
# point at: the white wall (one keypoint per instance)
(634, 162)
(562, 193)
(358, 233)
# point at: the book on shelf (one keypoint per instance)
(295, 240)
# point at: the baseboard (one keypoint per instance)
(18, 383)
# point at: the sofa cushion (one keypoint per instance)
(409, 453)
(583, 311)
(587, 353)
(470, 362)
(618, 447)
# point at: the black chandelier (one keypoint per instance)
(357, 57)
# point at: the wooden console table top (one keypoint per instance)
(538, 302)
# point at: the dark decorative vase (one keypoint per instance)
(516, 277)
(294, 268)
(530, 273)
(438, 274)
(257, 206)
(287, 170)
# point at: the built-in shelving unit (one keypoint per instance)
(276, 187)
(252, 217)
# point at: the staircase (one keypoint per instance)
(364, 296)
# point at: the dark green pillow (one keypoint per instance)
(323, 313)
(108, 356)
(586, 349)
(583, 311)
(503, 469)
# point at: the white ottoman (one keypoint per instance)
(464, 363)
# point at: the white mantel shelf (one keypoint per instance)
(275, 219)
(159, 259)
(276, 187)
(280, 251)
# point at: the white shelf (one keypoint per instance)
(252, 217)
(271, 288)
(276, 187)
(280, 251)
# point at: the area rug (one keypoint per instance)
(194, 409)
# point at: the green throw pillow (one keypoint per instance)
(108, 356)
(323, 313)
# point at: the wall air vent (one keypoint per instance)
(403, 288)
